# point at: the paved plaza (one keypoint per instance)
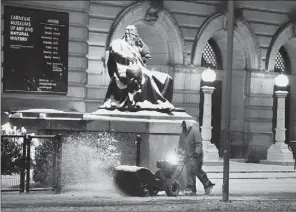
(276, 192)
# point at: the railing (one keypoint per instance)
(9, 182)
(22, 182)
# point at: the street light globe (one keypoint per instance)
(281, 80)
(208, 75)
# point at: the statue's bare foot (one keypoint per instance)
(165, 105)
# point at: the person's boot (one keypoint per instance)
(209, 189)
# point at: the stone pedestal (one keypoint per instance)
(279, 151)
(159, 131)
(210, 151)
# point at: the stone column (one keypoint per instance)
(210, 150)
(279, 151)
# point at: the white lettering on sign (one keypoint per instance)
(18, 38)
(20, 23)
(19, 33)
(53, 21)
(46, 37)
(20, 28)
(47, 83)
(50, 41)
(29, 29)
(48, 33)
(46, 52)
(20, 18)
(47, 57)
(47, 42)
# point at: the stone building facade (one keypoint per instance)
(184, 37)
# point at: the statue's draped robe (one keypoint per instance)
(156, 87)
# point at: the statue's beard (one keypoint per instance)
(130, 41)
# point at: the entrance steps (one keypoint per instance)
(239, 169)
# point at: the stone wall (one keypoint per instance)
(102, 15)
(78, 48)
(177, 40)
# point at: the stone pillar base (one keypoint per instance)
(210, 152)
(279, 152)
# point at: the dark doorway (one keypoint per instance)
(216, 112)
(287, 112)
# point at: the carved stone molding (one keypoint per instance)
(180, 34)
(281, 37)
(238, 14)
(239, 19)
(155, 15)
(255, 40)
(152, 13)
(243, 32)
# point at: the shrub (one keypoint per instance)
(11, 150)
(43, 167)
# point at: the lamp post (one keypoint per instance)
(210, 150)
(279, 152)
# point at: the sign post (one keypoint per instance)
(230, 17)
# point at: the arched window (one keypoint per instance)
(211, 55)
(282, 62)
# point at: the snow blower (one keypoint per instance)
(139, 181)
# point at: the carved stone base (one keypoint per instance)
(159, 131)
(279, 152)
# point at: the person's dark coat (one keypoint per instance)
(191, 141)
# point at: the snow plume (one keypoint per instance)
(87, 162)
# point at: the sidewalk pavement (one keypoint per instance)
(245, 188)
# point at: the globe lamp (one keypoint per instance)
(208, 75)
(281, 80)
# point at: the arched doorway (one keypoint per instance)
(280, 58)
(212, 58)
(246, 56)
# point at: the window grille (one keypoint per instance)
(211, 56)
(282, 62)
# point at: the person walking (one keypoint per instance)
(190, 143)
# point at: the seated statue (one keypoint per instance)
(132, 85)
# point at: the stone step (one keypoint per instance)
(253, 175)
(239, 169)
(242, 166)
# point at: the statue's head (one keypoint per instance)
(131, 34)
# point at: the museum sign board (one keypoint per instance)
(35, 50)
